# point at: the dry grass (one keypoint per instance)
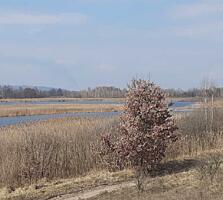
(197, 135)
(40, 156)
(60, 148)
(61, 99)
(219, 103)
(44, 190)
(198, 177)
(43, 109)
(183, 186)
(30, 109)
(179, 179)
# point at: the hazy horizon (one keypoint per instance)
(76, 44)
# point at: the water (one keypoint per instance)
(180, 104)
(176, 104)
(6, 121)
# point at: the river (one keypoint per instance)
(6, 121)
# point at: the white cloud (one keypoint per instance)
(195, 10)
(41, 19)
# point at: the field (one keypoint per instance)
(59, 148)
(56, 157)
(24, 107)
(31, 109)
(111, 100)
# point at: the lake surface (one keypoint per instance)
(179, 104)
(6, 121)
(84, 101)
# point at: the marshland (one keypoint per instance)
(49, 158)
(111, 100)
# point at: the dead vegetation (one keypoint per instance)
(51, 149)
(45, 190)
(32, 109)
(37, 159)
(197, 134)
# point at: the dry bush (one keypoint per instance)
(146, 129)
(209, 168)
(194, 135)
(52, 149)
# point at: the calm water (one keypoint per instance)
(6, 121)
(179, 104)
(175, 104)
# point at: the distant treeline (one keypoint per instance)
(7, 92)
(196, 92)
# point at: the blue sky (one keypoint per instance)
(76, 44)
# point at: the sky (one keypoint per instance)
(75, 44)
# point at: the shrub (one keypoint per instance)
(146, 128)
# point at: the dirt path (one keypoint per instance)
(94, 192)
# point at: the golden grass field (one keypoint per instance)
(55, 158)
(62, 99)
(32, 109)
(25, 108)
(182, 178)
(187, 183)
(42, 160)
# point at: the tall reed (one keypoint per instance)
(51, 149)
(197, 133)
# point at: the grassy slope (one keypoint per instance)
(45, 190)
(190, 181)
(179, 179)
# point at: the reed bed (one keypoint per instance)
(218, 103)
(198, 133)
(63, 148)
(30, 109)
(60, 148)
